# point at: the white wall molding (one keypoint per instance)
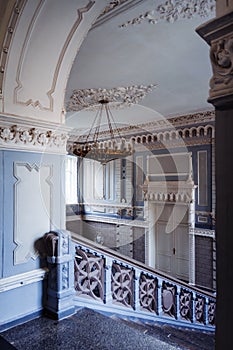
(28, 228)
(37, 63)
(22, 279)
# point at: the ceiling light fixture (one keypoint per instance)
(96, 145)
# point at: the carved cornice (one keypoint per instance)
(25, 136)
(191, 123)
(173, 10)
(180, 120)
(168, 191)
(118, 97)
(202, 232)
(218, 33)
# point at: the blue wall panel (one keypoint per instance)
(18, 301)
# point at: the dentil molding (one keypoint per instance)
(117, 97)
(173, 10)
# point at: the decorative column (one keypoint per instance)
(60, 259)
(218, 33)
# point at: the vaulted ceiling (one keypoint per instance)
(144, 52)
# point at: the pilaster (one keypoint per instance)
(218, 33)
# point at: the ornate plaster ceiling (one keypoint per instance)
(139, 45)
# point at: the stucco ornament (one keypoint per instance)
(221, 55)
(117, 97)
(32, 138)
(173, 10)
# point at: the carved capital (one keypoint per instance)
(218, 33)
(221, 56)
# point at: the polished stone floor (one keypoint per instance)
(89, 330)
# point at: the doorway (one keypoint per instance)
(171, 230)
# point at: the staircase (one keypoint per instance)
(106, 301)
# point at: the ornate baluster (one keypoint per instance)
(200, 312)
(211, 312)
(89, 274)
(186, 309)
(148, 292)
(169, 299)
(122, 285)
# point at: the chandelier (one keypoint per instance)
(95, 145)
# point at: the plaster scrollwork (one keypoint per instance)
(33, 139)
(221, 56)
(117, 97)
(173, 10)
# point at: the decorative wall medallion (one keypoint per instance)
(118, 97)
(173, 10)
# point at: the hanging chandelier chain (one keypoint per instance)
(99, 149)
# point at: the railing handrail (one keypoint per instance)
(78, 239)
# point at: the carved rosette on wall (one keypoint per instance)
(118, 97)
(173, 10)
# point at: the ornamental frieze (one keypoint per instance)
(30, 138)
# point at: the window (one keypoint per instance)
(71, 180)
